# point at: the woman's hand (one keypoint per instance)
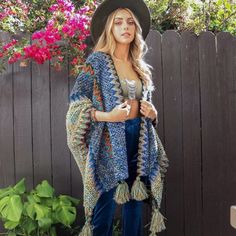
(148, 109)
(119, 113)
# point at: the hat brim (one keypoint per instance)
(138, 7)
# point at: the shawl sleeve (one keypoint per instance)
(78, 117)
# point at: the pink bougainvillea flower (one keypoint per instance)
(16, 56)
(60, 58)
(50, 36)
(67, 25)
(82, 46)
(74, 61)
(9, 45)
(40, 55)
(37, 35)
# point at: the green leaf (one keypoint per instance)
(33, 198)
(10, 224)
(20, 187)
(45, 223)
(55, 203)
(54, 218)
(47, 202)
(5, 192)
(66, 215)
(44, 189)
(11, 207)
(3, 204)
(41, 211)
(53, 231)
(30, 210)
(29, 225)
(65, 198)
(11, 234)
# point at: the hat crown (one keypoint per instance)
(138, 7)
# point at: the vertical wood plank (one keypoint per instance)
(226, 55)
(22, 122)
(60, 151)
(154, 58)
(211, 143)
(173, 127)
(191, 134)
(7, 161)
(41, 122)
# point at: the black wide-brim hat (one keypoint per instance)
(138, 7)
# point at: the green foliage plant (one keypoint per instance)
(193, 15)
(36, 212)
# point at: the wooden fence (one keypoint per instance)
(195, 79)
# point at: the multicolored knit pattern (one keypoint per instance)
(99, 148)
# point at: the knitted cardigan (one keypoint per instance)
(99, 148)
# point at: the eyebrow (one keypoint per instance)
(122, 18)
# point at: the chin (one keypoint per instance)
(125, 41)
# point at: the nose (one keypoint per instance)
(125, 25)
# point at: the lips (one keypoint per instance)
(126, 33)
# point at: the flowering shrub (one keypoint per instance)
(63, 35)
(13, 14)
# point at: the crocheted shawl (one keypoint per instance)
(99, 148)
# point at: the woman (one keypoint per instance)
(111, 123)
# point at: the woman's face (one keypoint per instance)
(123, 23)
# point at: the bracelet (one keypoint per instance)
(93, 114)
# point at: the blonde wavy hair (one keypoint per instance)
(138, 48)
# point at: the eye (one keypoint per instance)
(117, 23)
(131, 22)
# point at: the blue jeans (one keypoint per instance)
(132, 210)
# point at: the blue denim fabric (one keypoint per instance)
(132, 210)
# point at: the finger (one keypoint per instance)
(144, 102)
(144, 107)
(127, 110)
(143, 112)
(124, 103)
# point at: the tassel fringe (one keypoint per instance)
(157, 222)
(139, 190)
(87, 229)
(122, 193)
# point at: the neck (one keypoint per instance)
(122, 52)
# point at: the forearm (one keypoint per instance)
(102, 116)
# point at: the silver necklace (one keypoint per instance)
(131, 87)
